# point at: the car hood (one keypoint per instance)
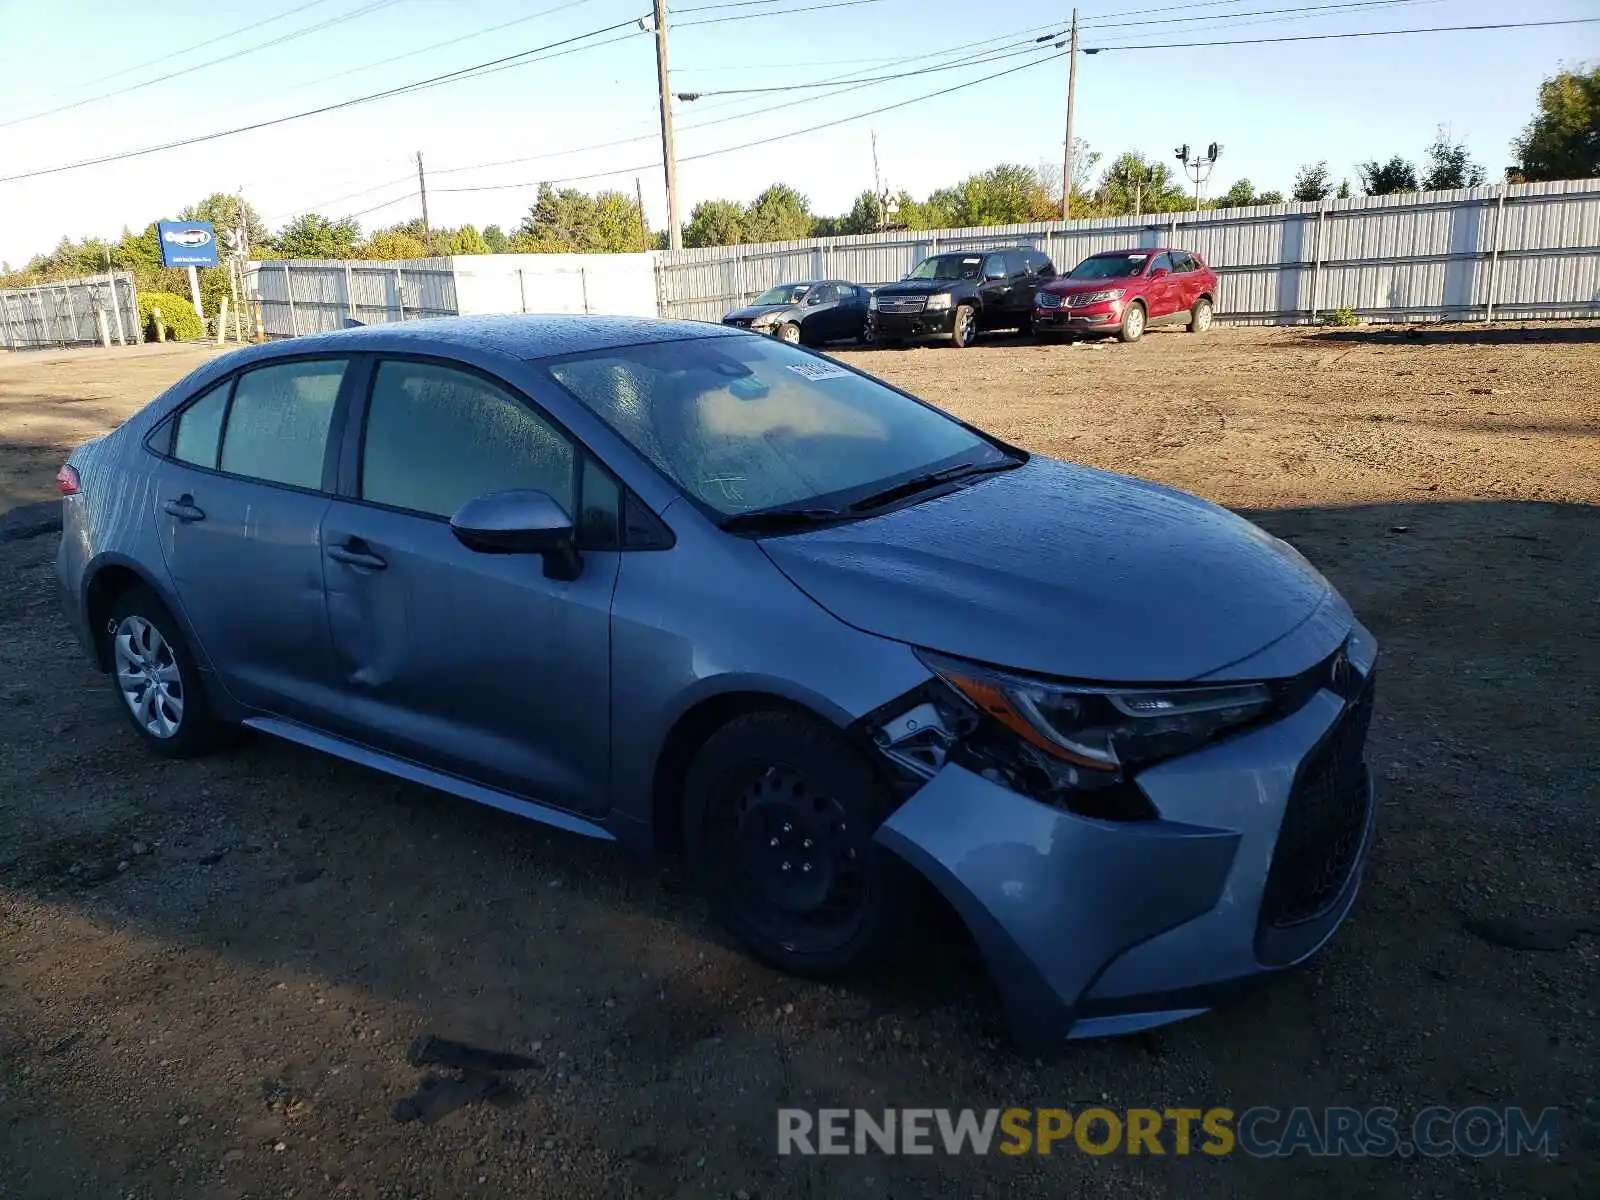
(1068, 287)
(1061, 570)
(751, 311)
(922, 287)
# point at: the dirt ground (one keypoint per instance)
(210, 971)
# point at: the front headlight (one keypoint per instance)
(1108, 729)
(872, 304)
(1098, 297)
(937, 301)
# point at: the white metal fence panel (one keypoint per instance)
(300, 296)
(68, 313)
(1529, 249)
(618, 284)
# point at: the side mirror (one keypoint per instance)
(520, 522)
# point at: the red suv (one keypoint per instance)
(1127, 291)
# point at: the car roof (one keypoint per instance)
(1143, 250)
(518, 337)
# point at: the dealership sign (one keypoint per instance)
(187, 243)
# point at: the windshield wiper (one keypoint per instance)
(782, 516)
(921, 483)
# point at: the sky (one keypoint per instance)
(1272, 107)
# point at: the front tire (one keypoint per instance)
(780, 812)
(156, 678)
(1200, 316)
(1132, 324)
(789, 333)
(964, 330)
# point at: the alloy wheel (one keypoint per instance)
(148, 677)
(1134, 322)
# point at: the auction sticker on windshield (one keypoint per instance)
(816, 371)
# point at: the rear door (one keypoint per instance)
(243, 493)
(852, 312)
(474, 664)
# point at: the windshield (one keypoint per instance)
(745, 423)
(1109, 266)
(948, 266)
(784, 293)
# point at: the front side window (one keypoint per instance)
(995, 266)
(437, 437)
(741, 424)
(1164, 260)
(1182, 262)
(948, 266)
(278, 424)
(199, 431)
(824, 294)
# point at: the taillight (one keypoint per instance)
(67, 482)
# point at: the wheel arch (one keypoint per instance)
(691, 730)
(107, 579)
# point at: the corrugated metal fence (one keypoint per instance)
(67, 313)
(299, 296)
(1518, 251)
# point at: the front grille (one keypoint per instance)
(741, 322)
(1323, 823)
(902, 304)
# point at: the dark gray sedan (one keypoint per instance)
(807, 314)
(708, 594)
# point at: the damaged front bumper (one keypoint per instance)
(1092, 927)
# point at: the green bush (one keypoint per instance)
(1341, 316)
(177, 314)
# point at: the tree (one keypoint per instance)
(1132, 180)
(467, 240)
(1563, 139)
(1344, 190)
(313, 235)
(573, 222)
(1241, 195)
(1312, 182)
(1270, 198)
(393, 244)
(866, 215)
(495, 238)
(715, 223)
(778, 214)
(1449, 167)
(1385, 179)
(222, 210)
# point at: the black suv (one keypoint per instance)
(959, 294)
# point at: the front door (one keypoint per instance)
(995, 290)
(475, 664)
(1161, 293)
(241, 503)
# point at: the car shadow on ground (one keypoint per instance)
(229, 938)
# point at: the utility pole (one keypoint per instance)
(422, 186)
(644, 226)
(1199, 167)
(669, 156)
(879, 200)
(1072, 97)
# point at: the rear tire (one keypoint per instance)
(1200, 316)
(1132, 323)
(156, 679)
(964, 329)
(779, 816)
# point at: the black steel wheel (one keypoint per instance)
(780, 816)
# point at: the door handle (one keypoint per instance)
(353, 557)
(184, 509)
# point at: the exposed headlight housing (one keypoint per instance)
(1099, 297)
(937, 301)
(770, 318)
(1103, 731)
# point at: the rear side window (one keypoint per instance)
(199, 428)
(436, 437)
(278, 424)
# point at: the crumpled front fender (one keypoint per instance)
(1051, 897)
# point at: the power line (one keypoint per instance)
(787, 12)
(1308, 10)
(416, 85)
(212, 41)
(374, 6)
(1322, 37)
(874, 79)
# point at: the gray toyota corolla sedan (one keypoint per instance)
(697, 591)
